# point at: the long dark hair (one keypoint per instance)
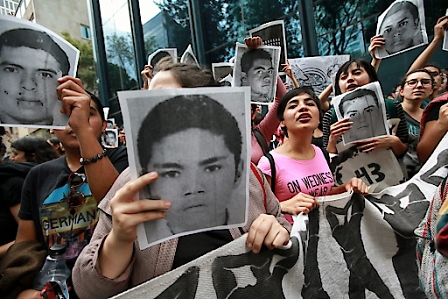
(36, 149)
(360, 63)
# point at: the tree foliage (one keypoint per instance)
(342, 27)
(86, 66)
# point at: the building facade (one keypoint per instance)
(8, 7)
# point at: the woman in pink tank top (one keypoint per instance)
(302, 171)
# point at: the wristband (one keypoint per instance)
(100, 156)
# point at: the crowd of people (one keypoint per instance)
(74, 176)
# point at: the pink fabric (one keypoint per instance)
(311, 177)
(268, 125)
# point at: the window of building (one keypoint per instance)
(85, 32)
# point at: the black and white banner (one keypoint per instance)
(352, 246)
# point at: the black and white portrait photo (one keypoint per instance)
(32, 58)
(110, 123)
(155, 57)
(257, 68)
(110, 138)
(196, 140)
(222, 72)
(273, 34)
(366, 109)
(403, 27)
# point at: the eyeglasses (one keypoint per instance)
(414, 82)
(75, 198)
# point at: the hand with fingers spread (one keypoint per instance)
(374, 143)
(266, 230)
(127, 214)
(253, 42)
(299, 203)
(336, 131)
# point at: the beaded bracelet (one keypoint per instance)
(83, 161)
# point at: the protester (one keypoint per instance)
(118, 264)
(27, 152)
(432, 245)
(302, 170)
(353, 74)
(433, 126)
(423, 59)
(415, 88)
(67, 189)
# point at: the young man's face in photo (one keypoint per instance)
(365, 115)
(399, 30)
(110, 138)
(28, 81)
(198, 178)
(260, 77)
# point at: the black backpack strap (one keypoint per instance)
(326, 155)
(273, 170)
(261, 141)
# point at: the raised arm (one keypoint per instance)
(439, 31)
(376, 42)
(76, 103)
(434, 132)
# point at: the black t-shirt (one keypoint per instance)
(45, 201)
(10, 191)
(193, 246)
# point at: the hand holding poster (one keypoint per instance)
(366, 109)
(403, 27)
(32, 59)
(445, 39)
(257, 68)
(196, 140)
(222, 71)
(273, 34)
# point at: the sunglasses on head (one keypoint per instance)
(75, 198)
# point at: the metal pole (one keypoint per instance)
(100, 50)
(196, 30)
(137, 38)
(308, 26)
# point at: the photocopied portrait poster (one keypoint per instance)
(197, 141)
(155, 57)
(257, 68)
(32, 59)
(403, 27)
(110, 138)
(367, 111)
(222, 71)
(273, 34)
(316, 71)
